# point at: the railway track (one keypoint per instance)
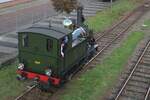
(137, 85)
(114, 34)
(104, 41)
(26, 92)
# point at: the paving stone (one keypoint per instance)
(8, 50)
(8, 44)
(7, 39)
(12, 35)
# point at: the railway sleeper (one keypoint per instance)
(147, 56)
(147, 53)
(144, 67)
(108, 38)
(146, 59)
(137, 87)
(145, 64)
(144, 71)
(125, 75)
(131, 97)
(134, 61)
(139, 79)
(98, 60)
(94, 63)
(110, 97)
(143, 76)
(134, 90)
(137, 83)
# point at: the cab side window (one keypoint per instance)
(49, 45)
(25, 40)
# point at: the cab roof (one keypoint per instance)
(55, 32)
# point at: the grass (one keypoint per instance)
(106, 18)
(147, 23)
(9, 85)
(94, 83)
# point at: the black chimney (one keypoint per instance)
(80, 17)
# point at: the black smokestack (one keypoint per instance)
(80, 17)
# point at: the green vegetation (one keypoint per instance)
(9, 85)
(94, 83)
(68, 5)
(105, 18)
(147, 23)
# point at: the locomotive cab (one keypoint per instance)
(50, 54)
(47, 54)
(40, 53)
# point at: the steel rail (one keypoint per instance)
(133, 70)
(147, 94)
(27, 91)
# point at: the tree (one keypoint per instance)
(64, 5)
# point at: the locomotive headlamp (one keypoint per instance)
(21, 66)
(48, 72)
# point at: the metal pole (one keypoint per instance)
(16, 19)
(79, 15)
(111, 2)
(16, 22)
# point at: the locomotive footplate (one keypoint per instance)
(40, 78)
